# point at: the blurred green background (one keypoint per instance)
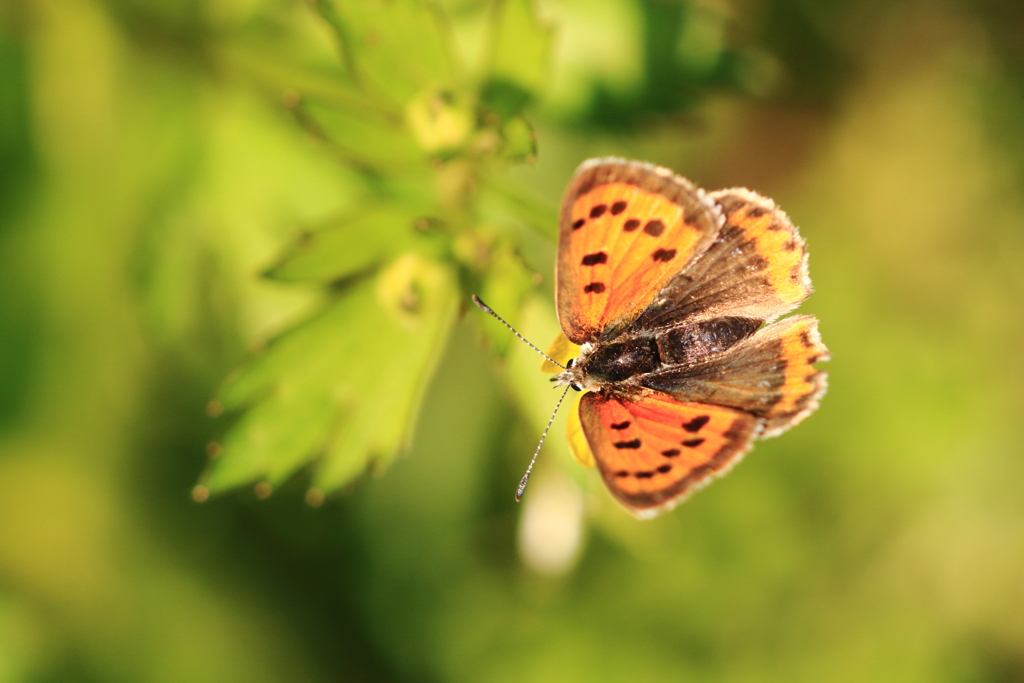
(251, 431)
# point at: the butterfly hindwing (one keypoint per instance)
(653, 450)
(626, 229)
(756, 268)
(770, 375)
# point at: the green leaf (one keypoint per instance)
(519, 140)
(274, 439)
(504, 97)
(520, 49)
(380, 142)
(354, 243)
(395, 47)
(345, 387)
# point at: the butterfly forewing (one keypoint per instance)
(626, 229)
(653, 450)
(756, 268)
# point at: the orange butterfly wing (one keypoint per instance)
(802, 385)
(626, 229)
(654, 450)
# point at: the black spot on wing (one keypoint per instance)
(664, 468)
(621, 425)
(693, 443)
(634, 444)
(655, 227)
(594, 259)
(671, 452)
(696, 423)
(618, 207)
(631, 225)
(664, 255)
(757, 212)
(598, 210)
(622, 473)
(644, 475)
(579, 223)
(594, 287)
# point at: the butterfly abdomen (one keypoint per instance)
(684, 345)
(690, 344)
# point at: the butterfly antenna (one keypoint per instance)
(487, 309)
(526, 477)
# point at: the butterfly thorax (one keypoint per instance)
(624, 362)
(599, 365)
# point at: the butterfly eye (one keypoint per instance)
(569, 364)
(575, 387)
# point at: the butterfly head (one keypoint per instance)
(575, 375)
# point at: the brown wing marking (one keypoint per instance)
(654, 450)
(756, 268)
(626, 229)
(770, 375)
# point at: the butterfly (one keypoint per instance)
(669, 296)
(668, 299)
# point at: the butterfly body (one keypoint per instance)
(627, 362)
(670, 293)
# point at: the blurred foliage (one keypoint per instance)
(283, 207)
(419, 129)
